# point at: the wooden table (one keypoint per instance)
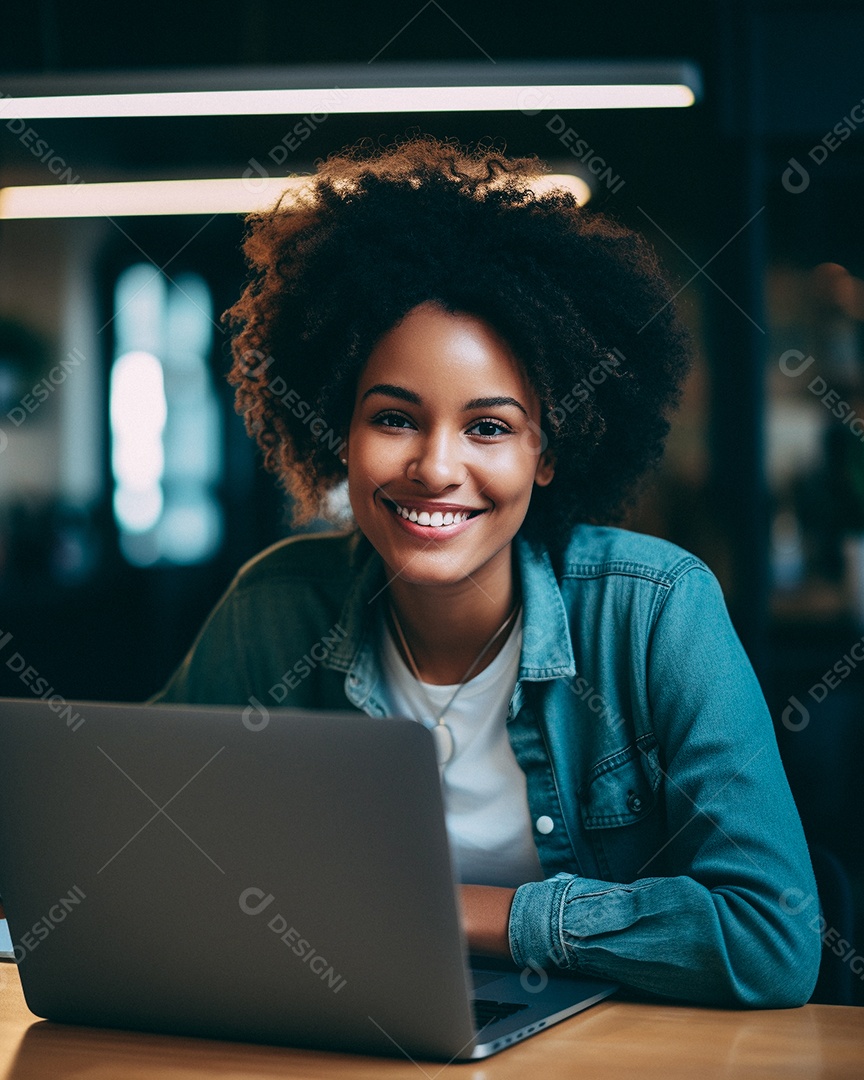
(609, 1041)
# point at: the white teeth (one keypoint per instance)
(434, 520)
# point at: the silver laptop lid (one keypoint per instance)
(203, 871)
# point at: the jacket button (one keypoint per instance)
(544, 824)
(634, 803)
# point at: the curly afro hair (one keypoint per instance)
(376, 231)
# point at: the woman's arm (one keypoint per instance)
(728, 922)
(486, 917)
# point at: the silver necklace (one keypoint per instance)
(441, 732)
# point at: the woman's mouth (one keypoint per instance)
(436, 519)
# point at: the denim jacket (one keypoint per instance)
(673, 855)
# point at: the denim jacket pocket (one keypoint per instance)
(621, 810)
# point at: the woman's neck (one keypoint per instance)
(447, 627)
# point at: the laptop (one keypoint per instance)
(279, 877)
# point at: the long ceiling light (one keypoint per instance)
(380, 99)
(159, 197)
(452, 86)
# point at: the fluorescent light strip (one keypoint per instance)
(144, 197)
(159, 197)
(387, 99)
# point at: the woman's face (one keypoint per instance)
(444, 449)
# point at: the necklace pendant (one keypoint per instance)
(443, 743)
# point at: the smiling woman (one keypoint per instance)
(490, 369)
(428, 441)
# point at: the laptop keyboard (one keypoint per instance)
(489, 1012)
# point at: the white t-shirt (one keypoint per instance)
(485, 794)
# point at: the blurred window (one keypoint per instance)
(166, 438)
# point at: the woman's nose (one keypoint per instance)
(438, 461)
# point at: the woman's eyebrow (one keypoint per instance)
(493, 403)
(390, 390)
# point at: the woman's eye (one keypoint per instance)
(394, 420)
(488, 428)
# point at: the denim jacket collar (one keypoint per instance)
(547, 651)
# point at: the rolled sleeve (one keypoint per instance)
(534, 928)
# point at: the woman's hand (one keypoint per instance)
(485, 919)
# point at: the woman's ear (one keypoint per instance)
(545, 469)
